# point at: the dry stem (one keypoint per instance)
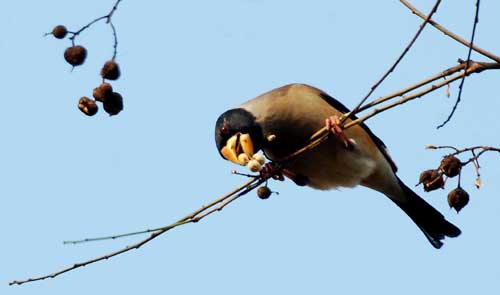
(195, 216)
(451, 34)
(107, 17)
(398, 60)
(461, 86)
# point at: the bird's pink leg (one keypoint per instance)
(332, 123)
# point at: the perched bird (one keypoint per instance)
(282, 120)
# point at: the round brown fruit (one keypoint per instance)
(431, 179)
(113, 104)
(263, 192)
(102, 92)
(458, 199)
(59, 31)
(450, 166)
(110, 70)
(75, 55)
(87, 106)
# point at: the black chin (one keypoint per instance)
(234, 121)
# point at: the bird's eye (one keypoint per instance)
(224, 129)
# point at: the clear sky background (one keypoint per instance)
(67, 176)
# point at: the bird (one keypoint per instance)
(282, 120)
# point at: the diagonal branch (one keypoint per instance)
(461, 86)
(195, 216)
(441, 75)
(451, 34)
(474, 67)
(398, 60)
(322, 134)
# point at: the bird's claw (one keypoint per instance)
(332, 124)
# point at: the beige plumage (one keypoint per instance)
(292, 113)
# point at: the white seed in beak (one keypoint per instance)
(259, 158)
(254, 165)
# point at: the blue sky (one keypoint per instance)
(67, 176)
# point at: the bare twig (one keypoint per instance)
(393, 67)
(451, 34)
(195, 216)
(474, 67)
(323, 134)
(460, 87)
(115, 37)
(107, 17)
(113, 237)
(443, 74)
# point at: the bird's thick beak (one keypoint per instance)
(238, 149)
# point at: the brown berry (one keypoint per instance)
(431, 179)
(103, 91)
(75, 55)
(59, 31)
(87, 106)
(110, 70)
(113, 104)
(263, 192)
(458, 198)
(450, 166)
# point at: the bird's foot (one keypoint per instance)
(271, 170)
(332, 124)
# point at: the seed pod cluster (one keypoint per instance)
(112, 102)
(75, 55)
(432, 179)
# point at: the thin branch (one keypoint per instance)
(451, 34)
(110, 14)
(460, 87)
(107, 17)
(113, 237)
(193, 217)
(115, 37)
(322, 134)
(398, 60)
(474, 67)
(443, 74)
(483, 149)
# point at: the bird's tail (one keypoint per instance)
(432, 223)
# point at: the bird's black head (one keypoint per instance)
(237, 132)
